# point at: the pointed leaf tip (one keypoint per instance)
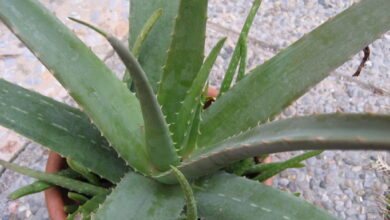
(104, 34)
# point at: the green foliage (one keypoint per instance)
(76, 166)
(291, 163)
(89, 207)
(190, 104)
(135, 193)
(190, 141)
(145, 31)
(267, 166)
(69, 209)
(191, 210)
(67, 183)
(243, 57)
(60, 128)
(158, 140)
(80, 199)
(133, 131)
(239, 54)
(111, 107)
(40, 186)
(318, 132)
(185, 56)
(229, 197)
(273, 86)
(240, 167)
(157, 137)
(154, 50)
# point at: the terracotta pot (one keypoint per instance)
(55, 201)
(268, 182)
(56, 198)
(212, 92)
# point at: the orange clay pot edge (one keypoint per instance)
(53, 196)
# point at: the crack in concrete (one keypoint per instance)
(15, 156)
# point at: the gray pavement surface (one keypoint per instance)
(348, 184)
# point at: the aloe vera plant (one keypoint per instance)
(157, 153)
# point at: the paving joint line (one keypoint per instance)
(228, 31)
(13, 158)
(367, 86)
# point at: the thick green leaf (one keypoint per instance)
(138, 197)
(187, 112)
(274, 85)
(70, 208)
(82, 170)
(240, 50)
(243, 57)
(145, 32)
(67, 183)
(191, 210)
(189, 143)
(266, 166)
(185, 56)
(154, 50)
(277, 168)
(229, 197)
(80, 199)
(322, 132)
(40, 186)
(60, 128)
(158, 140)
(104, 98)
(238, 168)
(159, 144)
(92, 205)
(88, 208)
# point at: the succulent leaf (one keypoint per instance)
(191, 210)
(89, 207)
(92, 205)
(145, 31)
(158, 140)
(190, 139)
(241, 166)
(70, 208)
(153, 53)
(243, 57)
(185, 56)
(229, 197)
(267, 166)
(109, 104)
(76, 166)
(67, 183)
(192, 100)
(139, 197)
(322, 132)
(140, 41)
(237, 54)
(60, 128)
(80, 199)
(157, 136)
(273, 86)
(293, 162)
(40, 186)
(137, 127)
